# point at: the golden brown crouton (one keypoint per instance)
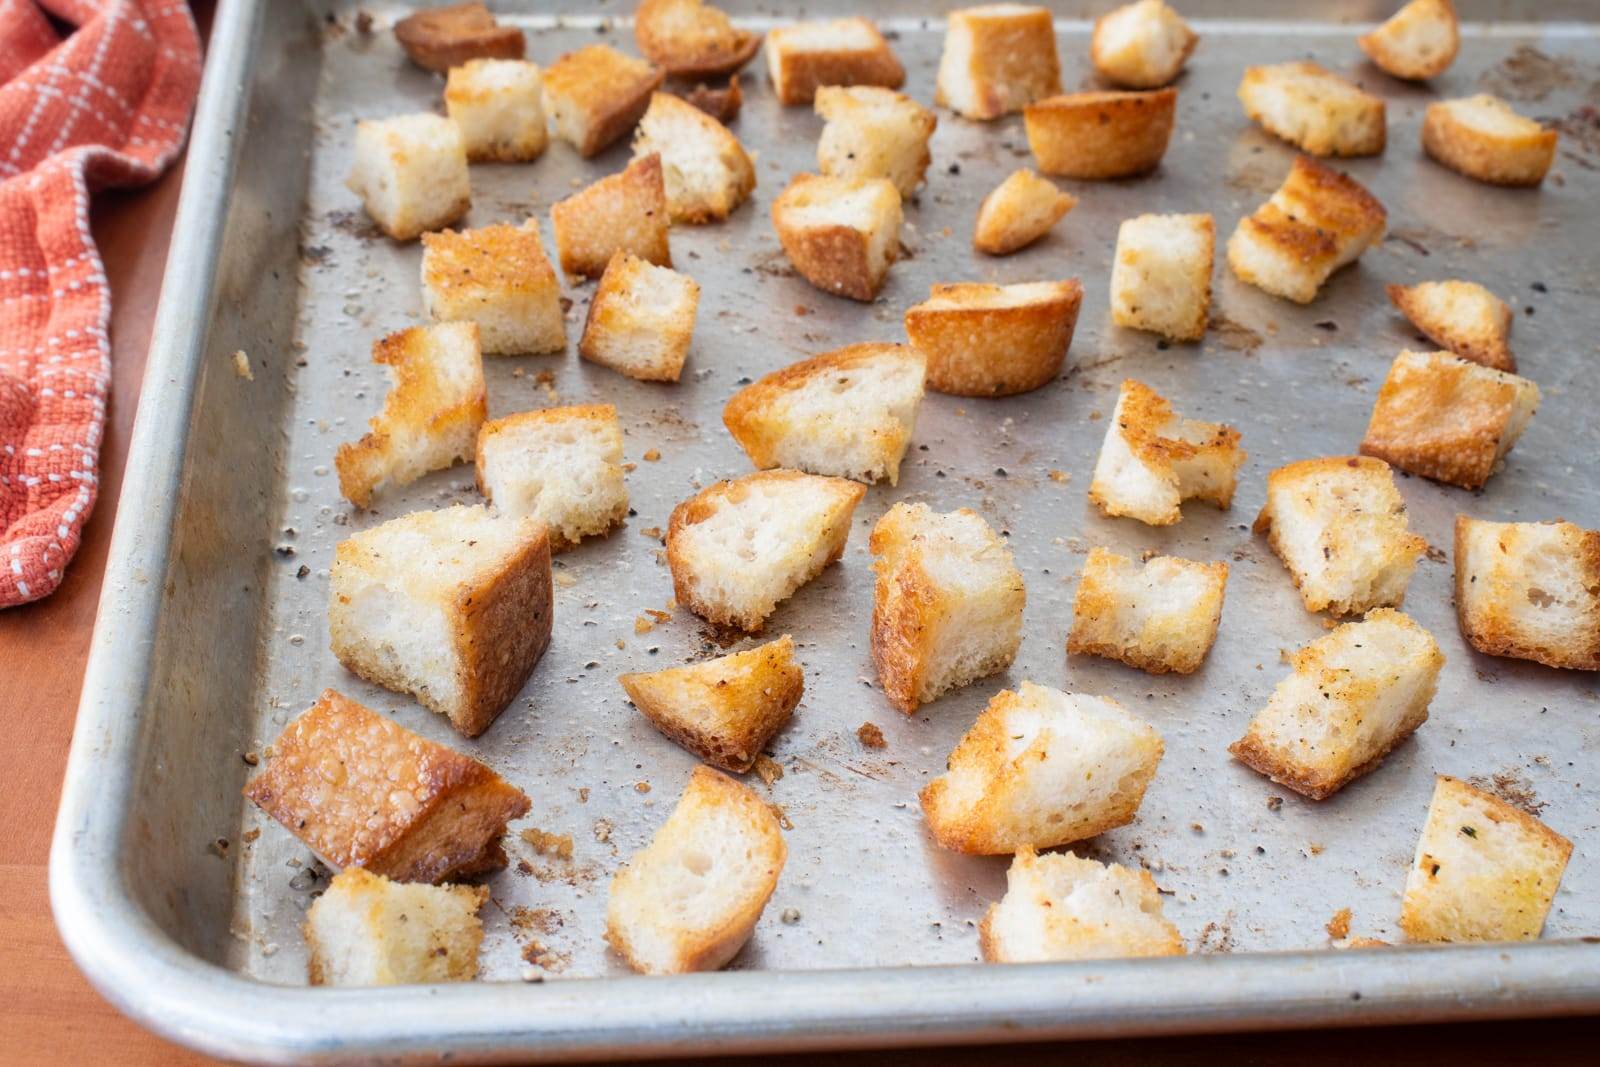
(804, 56)
(1464, 317)
(1142, 45)
(841, 234)
(705, 169)
(1161, 277)
(1158, 616)
(997, 59)
(499, 278)
(443, 37)
(624, 212)
(1314, 109)
(596, 94)
(411, 173)
(1102, 135)
(1530, 590)
(692, 39)
(365, 930)
(562, 466)
(641, 320)
(1418, 41)
(1018, 212)
(1153, 459)
(1062, 907)
(994, 340)
(1483, 138)
(872, 132)
(498, 105)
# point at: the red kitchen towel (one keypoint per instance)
(106, 105)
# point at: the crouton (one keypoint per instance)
(738, 548)
(596, 94)
(704, 167)
(998, 58)
(690, 900)
(1464, 317)
(841, 234)
(451, 606)
(410, 172)
(692, 39)
(498, 105)
(1318, 221)
(1062, 907)
(1530, 590)
(846, 413)
(499, 278)
(724, 710)
(1018, 212)
(1483, 871)
(1042, 768)
(624, 212)
(872, 132)
(1100, 136)
(641, 320)
(365, 930)
(1142, 45)
(562, 466)
(1161, 280)
(1154, 459)
(443, 37)
(1158, 616)
(1314, 109)
(805, 56)
(947, 607)
(431, 416)
(362, 791)
(994, 340)
(1419, 41)
(1483, 138)
(1352, 695)
(1447, 418)
(721, 104)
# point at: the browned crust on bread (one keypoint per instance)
(1394, 61)
(833, 258)
(1512, 161)
(1307, 781)
(1096, 598)
(802, 73)
(586, 223)
(998, 230)
(905, 605)
(721, 104)
(1486, 347)
(1101, 135)
(1491, 632)
(714, 47)
(989, 351)
(610, 88)
(443, 37)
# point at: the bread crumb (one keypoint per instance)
(602, 831)
(642, 625)
(1339, 925)
(652, 455)
(548, 844)
(241, 366)
(767, 769)
(1060, 476)
(564, 580)
(869, 735)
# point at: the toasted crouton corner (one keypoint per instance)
(1464, 317)
(1018, 212)
(1530, 590)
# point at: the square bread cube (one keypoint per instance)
(1062, 907)
(1483, 871)
(873, 132)
(1464, 317)
(1159, 616)
(1161, 280)
(365, 930)
(704, 167)
(723, 710)
(1418, 41)
(1142, 45)
(561, 466)
(451, 606)
(498, 105)
(1101, 136)
(440, 38)
(498, 277)
(738, 548)
(362, 791)
(1154, 459)
(691, 39)
(804, 56)
(1483, 138)
(998, 58)
(1042, 768)
(641, 320)
(430, 418)
(1448, 418)
(1314, 109)
(1530, 590)
(847, 413)
(624, 212)
(841, 234)
(1018, 212)
(597, 94)
(410, 172)
(994, 340)
(947, 607)
(1352, 695)
(691, 899)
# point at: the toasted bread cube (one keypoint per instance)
(362, 791)
(431, 416)
(704, 167)
(1018, 212)
(690, 900)
(641, 320)
(1158, 616)
(947, 607)
(624, 212)
(1464, 317)
(805, 56)
(721, 104)
(498, 277)
(872, 132)
(561, 466)
(1062, 907)
(365, 930)
(1318, 221)
(1102, 135)
(1483, 871)
(1483, 138)
(738, 548)
(1042, 768)
(498, 105)
(724, 710)
(994, 340)
(846, 413)
(841, 234)
(1142, 45)
(440, 38)
(1314, 109)
(1161, 281)
(410, 172)
(451, 606)
(1448, 418)
(1418, 41)
(1154, 459)
(692, 39)
(597, 94)
(1530, 590)
(998, 58)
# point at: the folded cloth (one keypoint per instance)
(107, 105)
